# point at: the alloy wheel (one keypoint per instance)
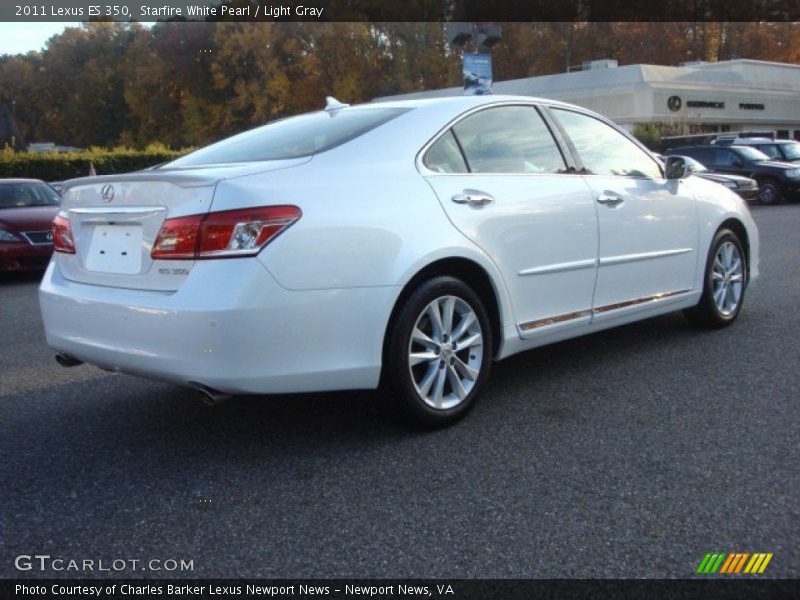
(445, 352)
(727, 276)
(768, 194)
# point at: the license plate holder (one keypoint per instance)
(115, 249)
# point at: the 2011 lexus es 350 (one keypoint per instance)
(402, 244)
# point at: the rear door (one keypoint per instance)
(504, 183)
(648, 225)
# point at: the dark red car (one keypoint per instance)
(27, 210)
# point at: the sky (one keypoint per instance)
(18, 38)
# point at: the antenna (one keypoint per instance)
(332, 104)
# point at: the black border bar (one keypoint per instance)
(456, 589)
(405, 10)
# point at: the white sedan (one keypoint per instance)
(406, 245)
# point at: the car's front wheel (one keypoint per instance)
(724, 284)
(769, 192)
(438, 352)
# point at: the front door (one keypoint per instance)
(648, 226)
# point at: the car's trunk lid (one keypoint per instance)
(115, 220)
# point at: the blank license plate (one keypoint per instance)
(115, 249)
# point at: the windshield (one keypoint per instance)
(696, 166)
(294, 137)
(751, 153)
(792, 151)
(20, 195)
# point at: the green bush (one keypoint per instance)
(58, 166)
(650, 135)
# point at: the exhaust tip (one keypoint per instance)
(210, 396)
(65, 360)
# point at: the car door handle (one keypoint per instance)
(610, 199)
(475, 198)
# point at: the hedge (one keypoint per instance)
(59, 166)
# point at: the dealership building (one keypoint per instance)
(702, 97)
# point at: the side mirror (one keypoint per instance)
(677, 168)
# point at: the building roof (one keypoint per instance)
(635, 93)
(744, 74)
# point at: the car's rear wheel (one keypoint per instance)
(724, 284)
(438, 353)
(769, 192)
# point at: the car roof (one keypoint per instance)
(466, 101)
(711, 146)
(20, 180)
(460, 104)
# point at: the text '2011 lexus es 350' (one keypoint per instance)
(400, 244)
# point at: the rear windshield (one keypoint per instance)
(294, 137)
(20, 195)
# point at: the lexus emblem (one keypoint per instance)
(107, 192)
(49, 236)
(674, 103)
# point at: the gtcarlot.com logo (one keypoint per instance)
(45, 562)
(734, 564)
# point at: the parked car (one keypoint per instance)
(27, 209)
(782, 150)
(776, 180)
(403, 244)
(744, 186)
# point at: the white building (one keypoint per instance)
(733, 95)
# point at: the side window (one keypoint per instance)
(445, 156)
(509, 139)
(725, 158)
(605, 151)
(771, 151)
(706, 156)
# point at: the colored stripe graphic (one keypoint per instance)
(710, 563)
(727, 565)
(734, 563)
(758, 563)
(765, 563)
(730, 564)
(740, 564)
(702, 566)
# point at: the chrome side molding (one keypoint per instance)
(599, 310)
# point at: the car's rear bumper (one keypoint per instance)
(21, 256)
(231, 327)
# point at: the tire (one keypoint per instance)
(724, 283)
(429, 380)
(770, 192)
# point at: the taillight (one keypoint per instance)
(62, 236)
(178, 238)
(225, 234)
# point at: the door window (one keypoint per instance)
(604, 150)
(509, 139)
(703, 155)
(727, 158)
(771, 151)
(445, 156)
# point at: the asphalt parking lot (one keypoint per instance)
(630, 453)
